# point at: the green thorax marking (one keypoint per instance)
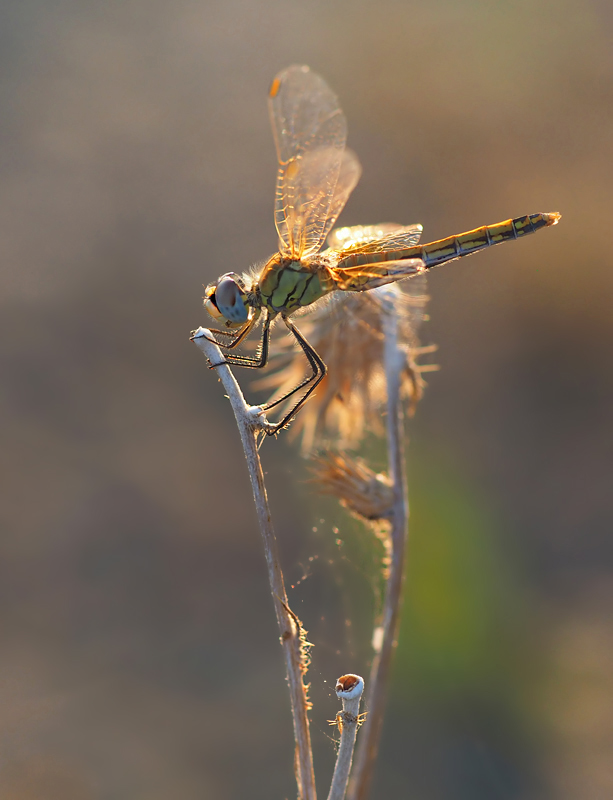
(286, 285)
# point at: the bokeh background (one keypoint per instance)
(139, 650)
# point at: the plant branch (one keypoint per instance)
(250, 420)
(349, 689)
(366, 755)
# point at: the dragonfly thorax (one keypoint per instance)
(287, 284)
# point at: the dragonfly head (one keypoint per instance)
(226, 300)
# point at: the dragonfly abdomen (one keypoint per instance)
(464, 244)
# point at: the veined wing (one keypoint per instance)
(310, 132)
(348, 177)
(370, 276)
(412, 296)
(382, 238)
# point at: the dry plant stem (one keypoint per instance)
(349, 727)
(366, 755)
(249, 422)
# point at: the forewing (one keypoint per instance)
(310, 131)
(348, 177)
(382, 238)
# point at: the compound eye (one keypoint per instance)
(230, 300)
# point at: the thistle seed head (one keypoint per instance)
(362, 491)
(348, 333)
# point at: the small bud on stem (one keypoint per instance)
(349, 690)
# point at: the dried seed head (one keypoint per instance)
(366, 493)
(348, 333)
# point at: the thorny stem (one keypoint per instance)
(366, 755)
(249, 421)
(349, 689)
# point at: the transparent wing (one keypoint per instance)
(382, 238)
(416, 299)
(407, 278)
(348, 177)
(365, 277)
(310, 131)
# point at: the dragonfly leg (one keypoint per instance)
(318, 372)
(238, 336)
(253, 362)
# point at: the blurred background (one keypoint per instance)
(139, 649)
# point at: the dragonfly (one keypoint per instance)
(316, 174)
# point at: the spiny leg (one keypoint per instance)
(239, 335)
(315, 361)
(315, 367)
(319, 371)
(253, 362)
